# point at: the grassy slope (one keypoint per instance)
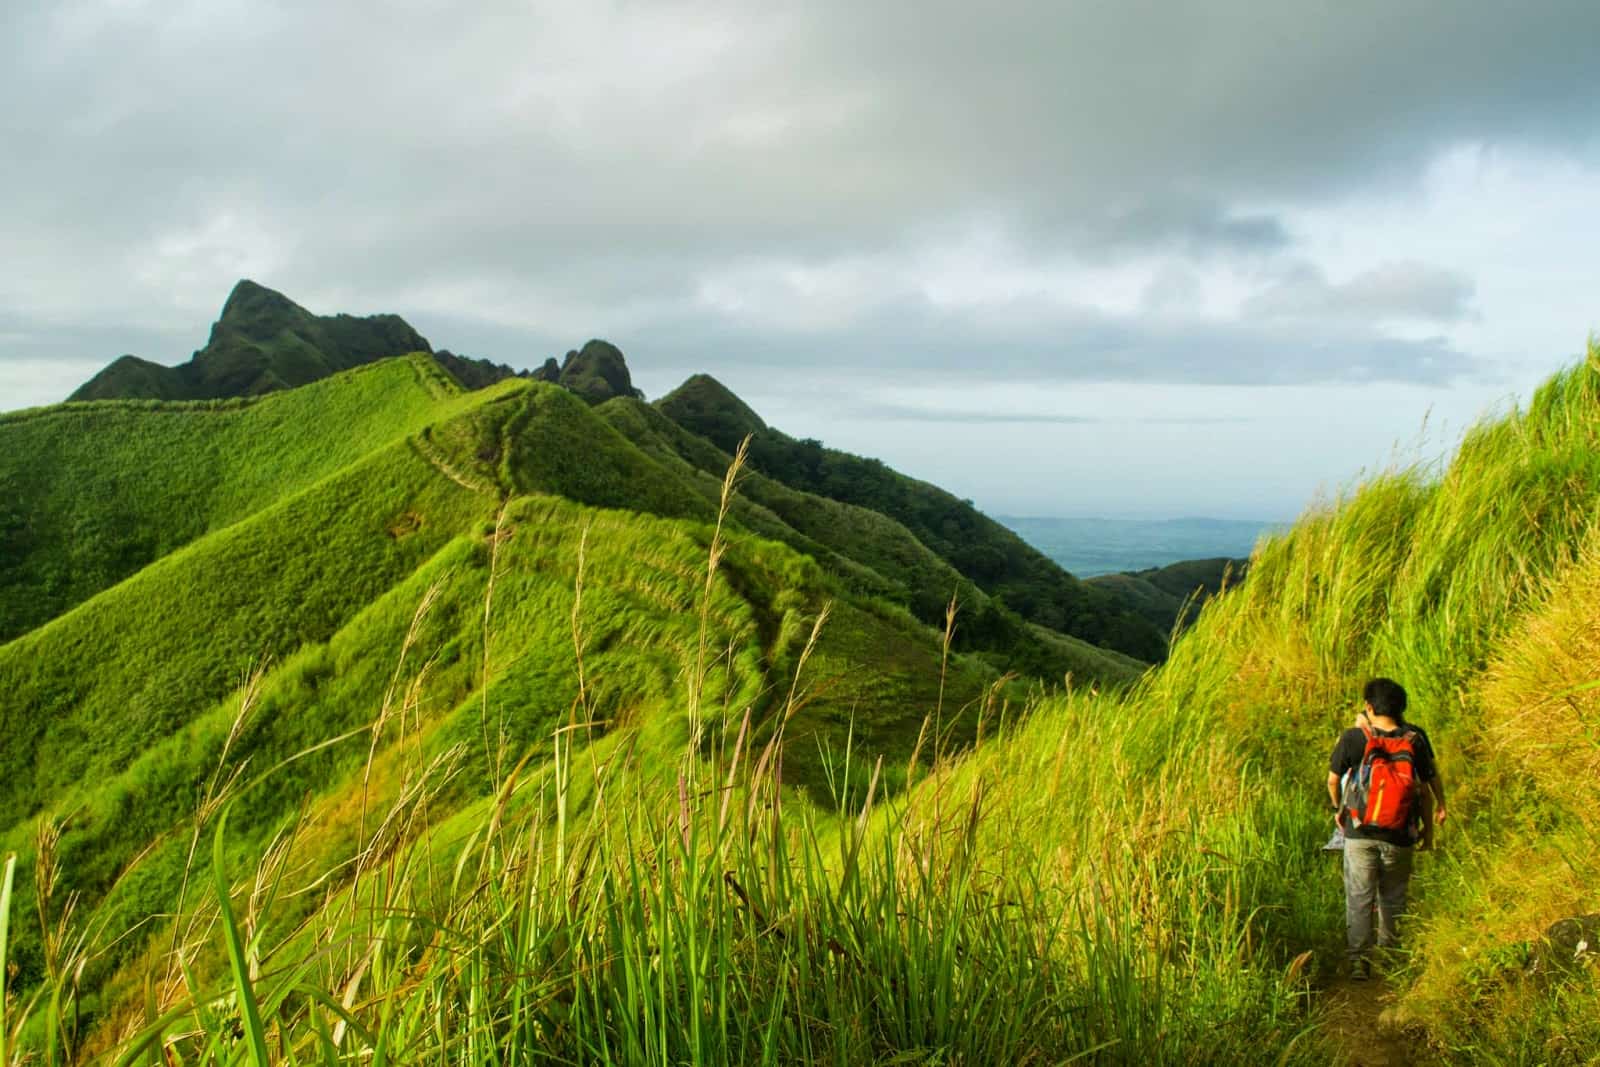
(1174, 593)
(82, 698)
(990, 555)
(872, 553)
(1477, 589)
(120, 735)
(90, 493)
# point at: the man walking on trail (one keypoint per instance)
(1387, 797)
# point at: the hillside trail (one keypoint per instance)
(1361, 1030)
(438, 462)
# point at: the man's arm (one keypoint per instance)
(1431, 802)
(1433, 796)
(1338, 763)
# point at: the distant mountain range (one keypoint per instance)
(922, 545)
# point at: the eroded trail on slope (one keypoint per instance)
(1361, 1029)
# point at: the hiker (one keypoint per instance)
(1387, 797)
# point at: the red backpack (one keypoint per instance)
(1380, 793)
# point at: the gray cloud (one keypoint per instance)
(539, 173)
(1025, 342)
(1388, 291)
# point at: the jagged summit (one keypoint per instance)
(263, 341)
(597, 372)
(705, 406)
(251, 300)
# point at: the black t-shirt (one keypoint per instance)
(1347, 754)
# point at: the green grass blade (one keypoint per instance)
(5, 932)
(249, 1013)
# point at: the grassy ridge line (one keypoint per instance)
(207, 470)
(86, 691)
(1171, 596)
(670, 445)
(824, 528)
(643, 574)
(95, 491)
(992, 556)
(873, 554)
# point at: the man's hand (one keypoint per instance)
(1438, 814)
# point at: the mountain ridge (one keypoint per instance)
(264, 342)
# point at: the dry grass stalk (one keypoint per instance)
(577, 629)
(386, 710)
(730, 481)
(488, 613)
(217, 793)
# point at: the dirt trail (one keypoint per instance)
(1360, 1029)
(436, 459)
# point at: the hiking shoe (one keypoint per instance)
(1336, 842)
(1360, 969)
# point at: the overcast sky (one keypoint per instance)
(1062, 258)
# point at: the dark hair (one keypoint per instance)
(1387, 697)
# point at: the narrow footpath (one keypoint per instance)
(1360, 1027)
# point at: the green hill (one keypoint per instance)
(597, 372)
(1174, 594)
(295, 535)
(91, 492)
(264, 342)
(874, 555)
(994, 558)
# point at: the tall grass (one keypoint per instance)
(7, 879)
(724, 927)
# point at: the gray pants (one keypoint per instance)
(1376, 875)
